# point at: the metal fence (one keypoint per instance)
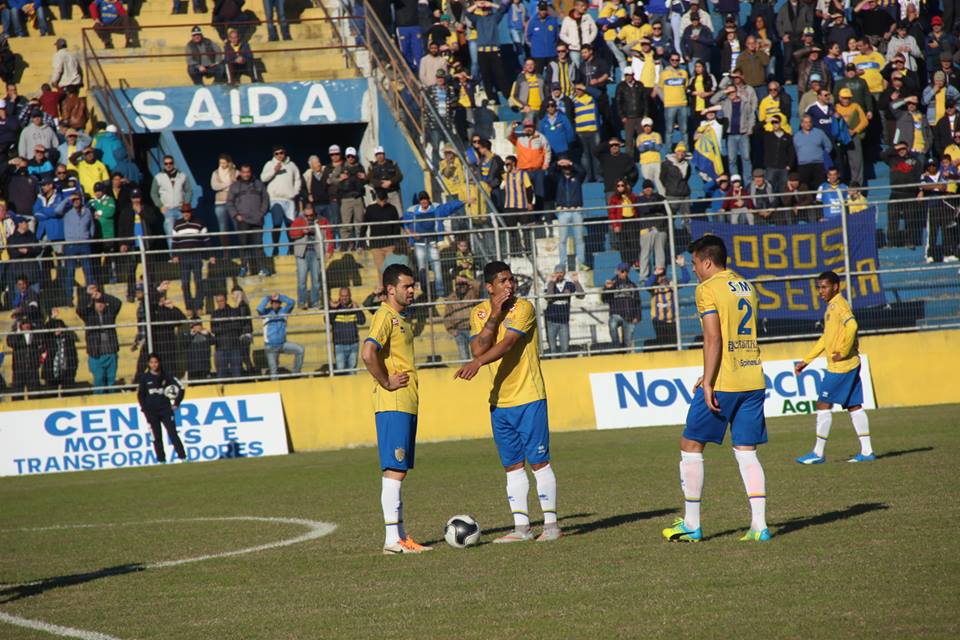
(908, 294)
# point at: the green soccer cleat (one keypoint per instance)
(680, 532)
(756, 536)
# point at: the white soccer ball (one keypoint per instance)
(171, 391)
(461, 532)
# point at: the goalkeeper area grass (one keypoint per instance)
(245, 548)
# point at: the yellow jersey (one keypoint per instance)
(673, 86)
(391, 332)
(839, 336)
(768, 108)
(610, 10)
(516, 376)
(871, 65)
(734, 300)
(648, 144)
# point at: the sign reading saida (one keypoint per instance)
(662, 396)
(764, 252)
(115, 436)
(196, 108)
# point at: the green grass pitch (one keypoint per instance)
(859, 551)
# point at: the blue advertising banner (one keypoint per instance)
(196, 108)
(763, 252)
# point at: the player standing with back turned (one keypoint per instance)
(842, 383)
(731, 390)
(503, 333)
(388, 356)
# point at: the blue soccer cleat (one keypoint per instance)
(811, 458)
(862, 458)
(680, 532)
(756, 536)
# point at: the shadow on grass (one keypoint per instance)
(796, 524)
(903, 452)
(18, 592)
(616, 521)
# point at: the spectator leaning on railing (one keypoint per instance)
(191, 245)
(27, 348)
(307, 246)
(274, 310)
(620, 292)
(559, 293)
(345, 317)
(247, 203)
(227, 329)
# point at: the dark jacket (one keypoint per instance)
(903, 171)
(248, 200)
(778, 152)
(352, 187)
(616, 167)
(942, 138)
(569, 188)
(226, 327)
(376, 213)
(630, 100)
(26, 359)
(19, 241)
(651, 207)
(674, 177)
(151, 395)
(60, 364)
(624, 299)
(345, 323)
(100, 342)
(386, 171)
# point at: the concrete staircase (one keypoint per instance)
(149, 70)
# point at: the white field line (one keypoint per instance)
(315, 529)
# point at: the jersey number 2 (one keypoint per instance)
(744, 305)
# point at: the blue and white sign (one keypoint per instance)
(658, 397)
(117, 436)
(197, 108)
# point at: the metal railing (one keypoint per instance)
(917, 296)
(102, 92)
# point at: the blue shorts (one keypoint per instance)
(521, 433)
(396, 439)
(742, 410)
(844, 389)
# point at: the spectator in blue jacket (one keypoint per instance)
(557, 129)
(543, 33)
(813, 152)
(78, 229)
(274, 310)
(423, 222)
(485, 16)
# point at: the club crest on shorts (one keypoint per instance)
(399, 453)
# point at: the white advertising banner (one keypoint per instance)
(662, 396)
(116, 436)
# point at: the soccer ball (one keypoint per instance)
(461, 532)
(171, 391)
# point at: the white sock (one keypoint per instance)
(755, 484)
(862, 424)
(691, 483)
(392, 509)
(547, 492)
(824, 420)
(517, 487)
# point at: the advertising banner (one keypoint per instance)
(761, 252)
(116, 436)
(662, 396)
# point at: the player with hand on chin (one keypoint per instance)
(158, 406)
(842, 383)
(503, 333)
(730, 392)
(388, 355)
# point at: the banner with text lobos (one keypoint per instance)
(658, 397)
(116, 436)
(761, 252)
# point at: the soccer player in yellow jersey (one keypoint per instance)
(841, 385)
(731, 390)
(503, 333)
(388, 356)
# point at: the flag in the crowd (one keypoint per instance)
(706, 153)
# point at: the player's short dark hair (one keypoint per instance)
(710, 248)
(492, 269)
(391, 275)
(829, 276)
